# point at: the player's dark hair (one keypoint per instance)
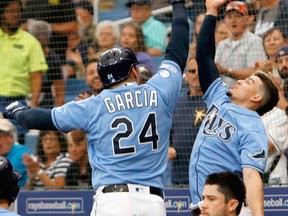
(61, 139)
(230, 185)
(270, 95)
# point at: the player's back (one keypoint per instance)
(129, 132)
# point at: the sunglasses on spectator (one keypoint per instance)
(191, 71)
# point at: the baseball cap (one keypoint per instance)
(237, 6)
(283, 51)
(7, 127)
(138, 2)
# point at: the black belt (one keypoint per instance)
(125, 188)
(12, 98)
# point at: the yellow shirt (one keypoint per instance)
(20, 55)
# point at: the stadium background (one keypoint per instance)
(177, 196)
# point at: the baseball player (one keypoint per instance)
(127, 125)
(232, 136)
(9, 187)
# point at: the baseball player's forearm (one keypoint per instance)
(37, 118)
(178, 46)
(205, 53)
(254, 191)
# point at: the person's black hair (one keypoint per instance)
(90, 61)
(230, 185)
(270, 94)
(5, 3)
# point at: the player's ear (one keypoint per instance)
(232, 205)
(135, 74)
(257, 98)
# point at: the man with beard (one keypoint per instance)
(92, 80)
(22, 58)
(232, 137)
(282, 63)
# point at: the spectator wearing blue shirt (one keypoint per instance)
(154, 31)
(11, 149)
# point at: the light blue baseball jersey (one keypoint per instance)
(5, 212)
(128, 128)
(230, 138)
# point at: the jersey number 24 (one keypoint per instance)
(147, 135)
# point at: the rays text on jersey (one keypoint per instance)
(131, 100)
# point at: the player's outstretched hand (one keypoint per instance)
(12, 108)
(213, 5)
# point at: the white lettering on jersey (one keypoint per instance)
(138, 104)
(131, 100)
(119, 102)
(110, 106)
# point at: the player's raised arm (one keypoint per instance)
(178, 46)
(205, 51)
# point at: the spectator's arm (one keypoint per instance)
(35, 87)
(59, 92)
(236, 74)
(65, 28)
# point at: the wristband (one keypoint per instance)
(40, 172)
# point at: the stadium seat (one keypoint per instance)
(73, 87)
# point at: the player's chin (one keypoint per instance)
(229, 93)
(203, 213)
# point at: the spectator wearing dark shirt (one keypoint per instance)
(60, 14)
(53, 77)
(187, 118)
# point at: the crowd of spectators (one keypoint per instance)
(46, 42)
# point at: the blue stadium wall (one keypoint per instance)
(79, 202)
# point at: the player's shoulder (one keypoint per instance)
(170, 66)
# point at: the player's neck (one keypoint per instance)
(245, 104)
(130, 79)
(4, 204)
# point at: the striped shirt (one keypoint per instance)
(56, 169)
